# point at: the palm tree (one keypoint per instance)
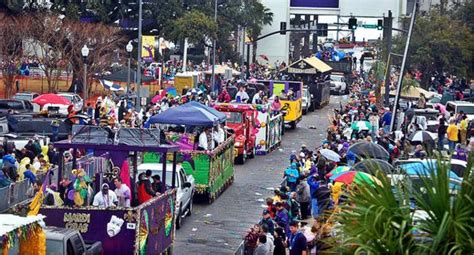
(257, 17)
(377, 71)
(380, 220)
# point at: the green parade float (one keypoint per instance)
(213, 170)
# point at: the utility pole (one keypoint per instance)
(248, 61)
(242, 74)
(213, 78)
(402, 69)
(139, 58)
(387, 34)
(337, 31)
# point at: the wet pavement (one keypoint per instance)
(218, 228)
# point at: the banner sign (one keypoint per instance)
(148, 47)
(315, 3)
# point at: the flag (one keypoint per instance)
(37, 201)
(110, 85)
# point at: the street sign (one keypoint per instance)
(370, 26)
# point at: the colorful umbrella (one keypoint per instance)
(356, 177)
(338, 170)
(51, 99)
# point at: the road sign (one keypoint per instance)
(371, 26)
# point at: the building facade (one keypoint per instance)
(308, 14)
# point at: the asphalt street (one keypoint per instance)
(218, 228)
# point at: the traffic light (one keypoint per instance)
(283, 28)
(352, 23)
(379, 24)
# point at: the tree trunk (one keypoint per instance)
(254, 52)
(8, 81)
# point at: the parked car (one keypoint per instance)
(185, 186)
(75, 99)
(27, 96)
(65, 241)
(338, 84)
(458, 106)
(19, 106)
(22, 140)
(306, 100)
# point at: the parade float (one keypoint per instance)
(257, 131)
(213, 170)
(312, 72)
(22, 235)
(291, 105)
(147, 228)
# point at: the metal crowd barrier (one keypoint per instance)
(241, 249)
(16, 193)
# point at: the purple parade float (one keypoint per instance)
(147, 228)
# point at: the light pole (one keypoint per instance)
(85, 53)
(129, 49)
(139, 58)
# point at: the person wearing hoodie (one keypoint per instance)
(28, 174)
(303, 196)
(292, 175)
(313, 182)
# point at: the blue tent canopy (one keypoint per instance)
(189, 114)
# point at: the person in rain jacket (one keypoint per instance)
(313, 182)
(292, 175)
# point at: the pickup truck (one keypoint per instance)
(64, 241)
(19, 106)
(185, 185)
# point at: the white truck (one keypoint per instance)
(185, 185)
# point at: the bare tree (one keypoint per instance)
(10, 51)
(45, 35)
(103, 42)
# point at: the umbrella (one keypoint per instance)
(423, 168)
(361, 125)
(51, 99)
(366, 149)
(356, 177)
(330, 155)
(372, 165)
(264, 57)
(338, 170)
(155, 99)
(422, 137)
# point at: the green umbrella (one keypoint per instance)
(361, 125)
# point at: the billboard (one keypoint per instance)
(315, 3)
(148, 47)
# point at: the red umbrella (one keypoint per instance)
(51, 99)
